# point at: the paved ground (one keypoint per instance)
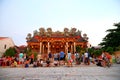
(62, 73)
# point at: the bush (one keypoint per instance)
(97, 52)
(10, 52)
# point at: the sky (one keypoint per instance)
(93, 17)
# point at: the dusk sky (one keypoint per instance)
(93, 17)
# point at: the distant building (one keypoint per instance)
(5, 43)
(45, 41)
(22, 48)
(97, 47)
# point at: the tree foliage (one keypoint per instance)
(112, 39)
(110, 50)
(78, 49)
(10, 52)
(95, 52)
(118, 48)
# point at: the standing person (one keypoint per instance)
(103, 56)
(82, 58)
(21, 55)
(62, 55)
(86, 57)
(89, 57)
(24, 56)
(77, 58)
(39, 57)
(73, 57)
(32, 58)
(21, 60)
(50, 56)
(69, 58)
(56, 59)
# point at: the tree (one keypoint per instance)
(91, 50)
(78, 49)
(112, 39)
(10, 52)
(97, 52)
(118, 48)
(110, 50)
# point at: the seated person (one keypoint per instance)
(26, 63)
(14, 64)
(48, 62)
(39, 63)
(56, 63)
(34, 64)
(99, 63)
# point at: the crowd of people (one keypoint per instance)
(105, 60)
(56, 59)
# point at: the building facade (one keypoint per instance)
(5, 43)
(45, 41)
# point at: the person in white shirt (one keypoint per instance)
(69, 59)
(77, 58)
(86, 58)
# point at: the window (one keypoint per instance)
(5, 46)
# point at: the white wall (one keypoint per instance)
(6, 41)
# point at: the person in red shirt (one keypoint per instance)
(32, 56)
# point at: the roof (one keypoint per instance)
(1, 38)
(6, 40)
(77, 38)
(33, 40)
(81, 40)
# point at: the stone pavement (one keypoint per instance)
(81, 72)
